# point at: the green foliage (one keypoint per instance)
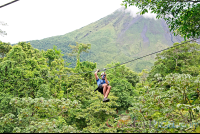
(43, 91)
(182, 17)
(29, 97)
(141, 65)
(123, 90)
(87, 66)
(39, 94)
(97, 113)
(143, 76)
(123, 81)
(78, 49)
(181, 59)
(120, 72)
(18, 65)
(4, 103)
(52, 55)
(168, 105)
(4, 48)
(37, 115)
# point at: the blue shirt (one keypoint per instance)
(100, 81)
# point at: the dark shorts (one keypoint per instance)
(100, 88)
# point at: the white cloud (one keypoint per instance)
(134, 10)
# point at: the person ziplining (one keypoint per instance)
(103, 85)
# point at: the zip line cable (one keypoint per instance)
(107, 68)
(9, 3)
(152, 53)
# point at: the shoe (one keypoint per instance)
(106, 99)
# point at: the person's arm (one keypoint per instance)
(106, 79)
(95, 74)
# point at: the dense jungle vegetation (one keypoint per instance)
(41, 93)
(38, 93)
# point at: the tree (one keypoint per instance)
(143, 76)
(164, 107)
(122, 72)
(4, 48)
(123, 81)
(36, 97)
(180, 59)
(78, 49)
(38, 115)
(37, 100)
(183, 17)
(87, 66)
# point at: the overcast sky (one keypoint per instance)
(37, 19)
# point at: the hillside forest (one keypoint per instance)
(40, 93)
(117, 36)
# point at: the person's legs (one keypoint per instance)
(107, 91)
(104, 89)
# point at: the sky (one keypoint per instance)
(38, 19)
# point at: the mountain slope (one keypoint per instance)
(116, 37)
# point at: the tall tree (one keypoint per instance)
(143, 76)
(182, 16)
(78, 49)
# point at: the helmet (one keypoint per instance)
(102, 73)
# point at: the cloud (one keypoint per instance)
(134, 12)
